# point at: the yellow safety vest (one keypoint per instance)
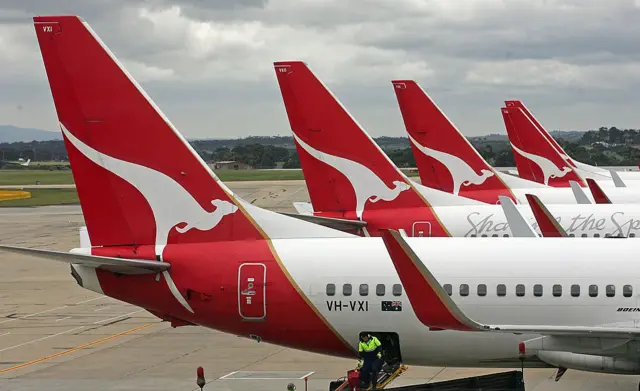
(369, 346)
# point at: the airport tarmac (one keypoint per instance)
(55, 335)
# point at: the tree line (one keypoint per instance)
(603, 147)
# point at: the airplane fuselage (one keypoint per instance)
(341, 281)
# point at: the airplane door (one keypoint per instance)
(421, 229)
(252, 291)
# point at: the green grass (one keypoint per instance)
(42, 197)
(64, 177)
(29, 177)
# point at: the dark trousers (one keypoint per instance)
(369, 371)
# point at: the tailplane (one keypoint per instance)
(446, 160)
(119, 144)
(536, 159)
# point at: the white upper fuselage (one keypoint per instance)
(578, 220)
(315, 263)
(564, 195)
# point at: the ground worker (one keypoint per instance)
(370, 350)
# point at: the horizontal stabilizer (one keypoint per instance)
(548, 225)
(436, 310)
(115, 265)
(303, 208)
(581, 196)
(331, 222)
(520, 227)
(598, 194)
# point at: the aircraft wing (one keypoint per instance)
(548, 225)
(115, 265)
(617, 181)
(598, 194)
(331, 222)
(520, 227)
(436, 310)
(581, 196)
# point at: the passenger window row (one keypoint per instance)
(363, 290)
(538, 290)
(631, 235)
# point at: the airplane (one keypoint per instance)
(585, 170)
(537, 159)
(170, 237)
(562, 314)
(447, 161)
(349, 178)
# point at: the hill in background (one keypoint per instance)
(12, 134)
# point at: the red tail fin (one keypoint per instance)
(545, 134)
(138, 180)
(343, 166)
(598, 194)
(536, 159)
(445, 159)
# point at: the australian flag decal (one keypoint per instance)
(392, 305)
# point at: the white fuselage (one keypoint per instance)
(578, 220)
(564, 195)
(314, 263)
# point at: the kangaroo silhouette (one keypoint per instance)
(461, 173)
(366, 184)
(170, 203)
(548, 168)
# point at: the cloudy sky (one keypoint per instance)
(208, 64)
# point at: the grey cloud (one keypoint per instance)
(208, 64)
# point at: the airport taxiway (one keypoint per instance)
(55, 335)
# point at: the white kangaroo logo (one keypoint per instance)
(170, 203)
(549, 169)
(461, 173)
(366, 184)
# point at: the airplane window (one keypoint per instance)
(596, 235)
(584, 236)
(346, 289)
(448, 289)
(593, 290)
(501, 290)
(627, 291)
(556, 290)
(572, 235)
(494, 235)
(520, 290)
(380, 289)
(464, 290)
(474, 235)
(632, 235)
(505, 235)
(482, 290)
(364, 290)
(396, 289)
(331, 289)
(607, 235)
(484, 235)
(575, 290)
(610, 290)
(537, 290)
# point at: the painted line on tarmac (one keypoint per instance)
(34, 314)
(117, 317)
(40, 339)
(42, 359)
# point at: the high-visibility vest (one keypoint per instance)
(369, 346)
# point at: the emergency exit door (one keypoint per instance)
(252, 292)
